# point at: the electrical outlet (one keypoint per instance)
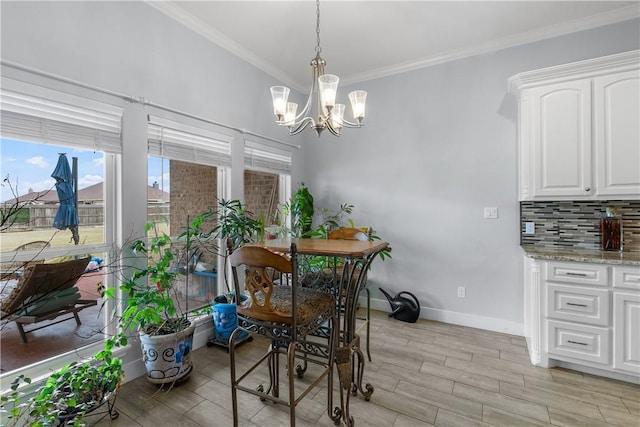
(461, 292)
(529, 228)
(491, 213)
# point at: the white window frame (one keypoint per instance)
(23, 102)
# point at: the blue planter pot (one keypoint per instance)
(225, 320)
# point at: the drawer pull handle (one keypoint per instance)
(569, 273)
(577, 305)
(576, 342)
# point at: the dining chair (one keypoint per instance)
(350, 233)
(285, 313)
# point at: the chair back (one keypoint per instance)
(41, 281)
(262, 268)
(349, 233)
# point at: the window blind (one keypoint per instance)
(266, 158)
(178, 141)
(36, 114)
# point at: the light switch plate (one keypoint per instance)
(491, 213)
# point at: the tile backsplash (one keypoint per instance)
(576, 223)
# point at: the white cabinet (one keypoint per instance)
(561, 131)
(617, 134)
(626, 319)
(578, 130)
(585, 314)
(626, 326)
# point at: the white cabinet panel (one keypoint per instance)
(578, 304)
(561, 124)
(582, 342)
(626, 277)
(575, 272)
(617, 134)
(626, 327)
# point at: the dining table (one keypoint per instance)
(344, 273)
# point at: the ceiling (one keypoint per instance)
(362, 40)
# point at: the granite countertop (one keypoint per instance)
(583, 255)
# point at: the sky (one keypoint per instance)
(29, 166)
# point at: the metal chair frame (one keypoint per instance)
(285, 330)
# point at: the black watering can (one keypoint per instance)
(402, 308)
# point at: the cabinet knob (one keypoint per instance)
(587, 189)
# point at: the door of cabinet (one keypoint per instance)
(561, 133)
(626, 332)
(617, 134)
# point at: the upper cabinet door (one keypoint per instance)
(617, 133)
(561, 139)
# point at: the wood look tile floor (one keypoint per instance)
(427, 373)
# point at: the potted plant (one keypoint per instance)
(231, 226)
(69, 393)
(149, 307)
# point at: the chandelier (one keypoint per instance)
(324, 88)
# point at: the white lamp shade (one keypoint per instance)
(358, 100)
(328, 87)
(290, 113)
(280, 95)
(337, 115)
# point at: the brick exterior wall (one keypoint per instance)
(194, 190)
(261, 193)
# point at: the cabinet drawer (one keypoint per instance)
(582, 342)
(626, 277)
(575, 272)
(578, 304)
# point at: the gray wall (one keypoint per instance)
(439, 143)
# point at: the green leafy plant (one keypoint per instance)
(150, 292)
(302, 211)
(228, 224)
(68, 394)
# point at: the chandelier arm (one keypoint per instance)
(334, 131)
(307, 106)
(302, 125)
(348, 124)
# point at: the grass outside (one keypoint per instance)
(9, 240)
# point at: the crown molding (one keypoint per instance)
(209, 33)
(198, 26)
(611, 17)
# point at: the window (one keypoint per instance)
(186, 161)
(267, 180)
(37, 124)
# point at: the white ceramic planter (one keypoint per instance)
(168, 357)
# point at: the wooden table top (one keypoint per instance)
(326, 247)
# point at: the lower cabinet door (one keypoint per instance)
(582, 342)
(626, 332)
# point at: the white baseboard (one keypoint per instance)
(456, 318)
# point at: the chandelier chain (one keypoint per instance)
(318, 48)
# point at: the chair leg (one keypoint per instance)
(368, 321)
(334, 413)
(275, 364)
(232, 361)
(291, 360)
